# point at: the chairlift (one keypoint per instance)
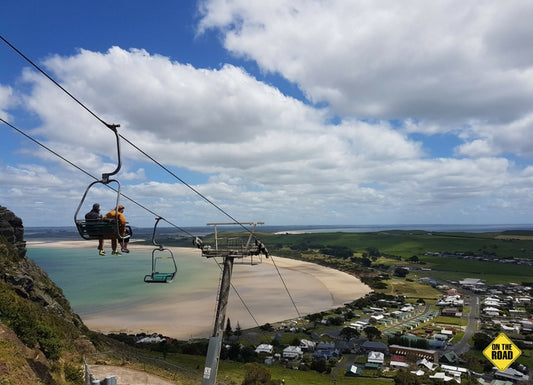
(159, 255)
(101, 228)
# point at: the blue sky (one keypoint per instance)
(301, 112)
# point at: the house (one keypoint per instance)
(153, 339)
(454, 370)
(451, 312)
(359, 325)
(471, 282)
(292, 352)
(436, 344)
(376, 358)
(398, 361)
(369, 346)
(264, 348)
(427, 364)
(489, 301)
(491, 311)
(442, 376)
(414, 354)
(353, 371)
(326, 350)
(307, 346)
(510, 374)
(451, 358)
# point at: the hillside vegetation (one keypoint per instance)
(41, 340)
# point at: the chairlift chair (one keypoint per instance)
(159, 255)
(101, 228)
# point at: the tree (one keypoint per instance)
(481, 341)
(372, 332)
(229, 331)
(401, 272)
(349, 333)
(405, 378)
(255, 374)
(366, 262)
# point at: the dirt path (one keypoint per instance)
(127, 376)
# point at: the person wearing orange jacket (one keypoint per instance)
(113, 215)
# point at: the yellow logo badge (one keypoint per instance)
(502, 352)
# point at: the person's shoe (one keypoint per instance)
(115, 252)
(124, 250)
(101, 252)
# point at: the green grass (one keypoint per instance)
(409, 243)
(399, 286)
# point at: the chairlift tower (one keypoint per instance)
(229, 249)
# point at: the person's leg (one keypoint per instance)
(101, 246)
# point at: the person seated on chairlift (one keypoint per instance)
(94, 215)
(112, 215)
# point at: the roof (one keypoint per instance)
(376, 357)
(371, 345)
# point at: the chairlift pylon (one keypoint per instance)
(158, 255)
(238, 247)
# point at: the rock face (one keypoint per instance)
(12, 230)
(28, 280)
(38, 328)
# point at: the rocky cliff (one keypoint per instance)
(34, 313)
(12, 231)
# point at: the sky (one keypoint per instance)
(315, 112)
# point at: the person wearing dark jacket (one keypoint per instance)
(94, 215)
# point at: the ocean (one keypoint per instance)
(94, 283)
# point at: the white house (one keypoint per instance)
(491, 311)
(292, 352)
(264, 348)
(376, 358)
(307, 345)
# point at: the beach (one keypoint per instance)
(275, 290)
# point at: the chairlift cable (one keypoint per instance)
(91, 176)
(114, 128)
(110, 126)
(123, 195)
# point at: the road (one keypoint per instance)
(463, 346)
(127, 376)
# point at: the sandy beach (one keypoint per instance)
(258, 296)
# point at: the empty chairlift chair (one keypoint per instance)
(164, 266)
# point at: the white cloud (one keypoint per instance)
(511, 138)
(263, 155)
(6, 100)
(448, 61)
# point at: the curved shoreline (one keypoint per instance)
(313, 288)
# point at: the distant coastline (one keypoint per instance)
(69, 232)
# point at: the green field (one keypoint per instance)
(396, 247)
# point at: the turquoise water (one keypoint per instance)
(94, 283)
